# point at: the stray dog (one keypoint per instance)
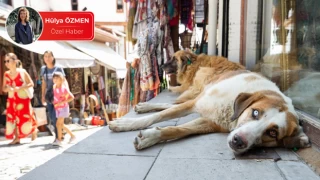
(186, 64)
(247, 105)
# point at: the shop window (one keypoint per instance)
(120, 6)
(291, 51)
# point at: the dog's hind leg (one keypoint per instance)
(179, 89)
(187, 95)
(148, 107)
(155, 135)
(129, 124)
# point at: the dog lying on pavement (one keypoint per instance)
(186, 64)
(245, 104)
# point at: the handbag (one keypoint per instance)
(49, 91)
(29, 90)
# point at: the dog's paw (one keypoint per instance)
(305, 142)
(147, 138)
(124, 124)
(142, 108)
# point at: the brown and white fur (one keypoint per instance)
(187, 72)
(248, 106)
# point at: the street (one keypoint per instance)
(18, 160)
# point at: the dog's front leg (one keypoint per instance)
(155, 135)
(148, 107)
(130, 124)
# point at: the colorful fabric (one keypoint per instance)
(174, 17)
(185, 11)
(136, 77)
(124, 100)
(19, 111)
(146, 79)
(132, 13)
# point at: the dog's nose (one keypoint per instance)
(237, 141)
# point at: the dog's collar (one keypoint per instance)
(189, 61)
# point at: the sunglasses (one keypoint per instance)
(6, 61)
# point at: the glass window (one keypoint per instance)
(291, 50)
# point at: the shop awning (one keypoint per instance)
(66, 56)
(103, 54)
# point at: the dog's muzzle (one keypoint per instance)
(237, 142)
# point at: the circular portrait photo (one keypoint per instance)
(24, 25)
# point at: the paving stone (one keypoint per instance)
(209, 146)
(83, 166)
(297, 171)
(182, 169)
(287, 154)
(108, 142)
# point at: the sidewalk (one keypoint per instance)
(109, 155)
(17, 160)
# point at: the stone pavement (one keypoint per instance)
(110, 155)
(17, 160)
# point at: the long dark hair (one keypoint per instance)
(49, 52)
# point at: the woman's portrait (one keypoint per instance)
(24, 25)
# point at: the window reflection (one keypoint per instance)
(292, 57)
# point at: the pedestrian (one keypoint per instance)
(23, 30)
(46, 73)
(62, 96)
(20, 121)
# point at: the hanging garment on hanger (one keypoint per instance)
(146, 79)
(185, 11)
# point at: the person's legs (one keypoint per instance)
(16, 139)
(52, 117)
(59, 127)
(68, 130)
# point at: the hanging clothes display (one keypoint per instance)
(150, 23)
(186, 13)
(124, 100)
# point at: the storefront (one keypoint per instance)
(281, 40)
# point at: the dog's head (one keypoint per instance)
(179, 62)
(265, 119)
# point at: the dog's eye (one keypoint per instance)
(255, 113)
(272, 133)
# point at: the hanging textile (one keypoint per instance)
(131, 19)
(136, 79)
(124, 100)
(185, 11)
(146, 79)
(174, 13)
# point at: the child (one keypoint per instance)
(62, 96)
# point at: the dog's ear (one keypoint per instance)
(298, 139)
(243, 101)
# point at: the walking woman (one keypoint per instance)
(47, 87)
(23, 30)
(20, 117)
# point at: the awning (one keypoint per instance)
(103, 54)
(66, 56)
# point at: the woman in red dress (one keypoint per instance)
(20, 118)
